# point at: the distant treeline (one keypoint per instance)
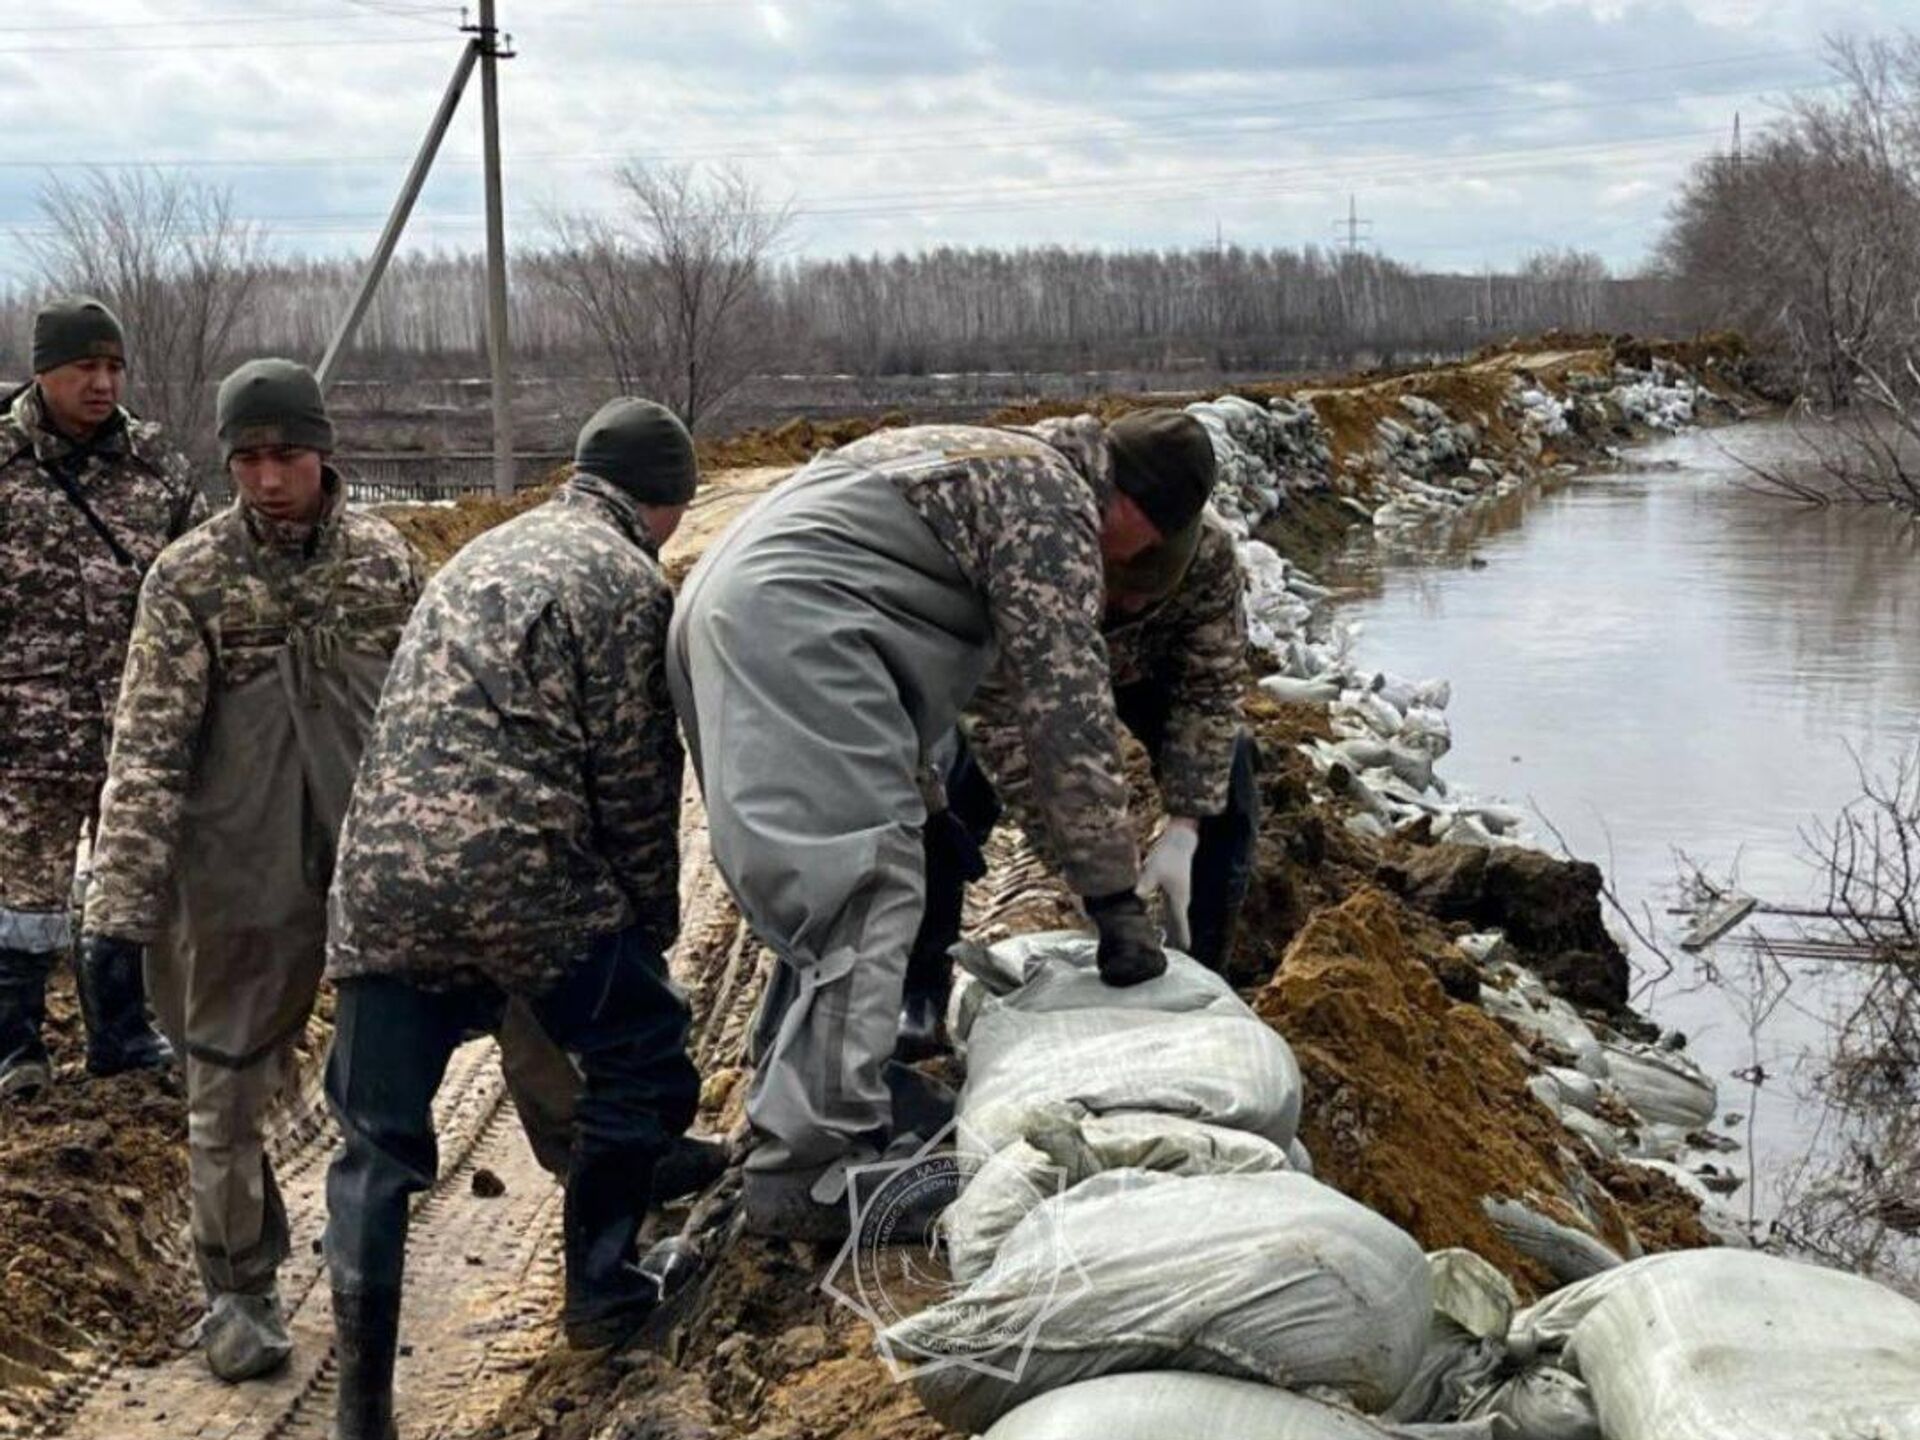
(952, 309)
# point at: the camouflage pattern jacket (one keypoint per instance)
(521, 791)
(216, 609)
(1193, 645)
(1019, 512)
(66, 599)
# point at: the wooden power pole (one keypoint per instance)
(497, 351)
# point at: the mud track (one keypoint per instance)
(483, 1282)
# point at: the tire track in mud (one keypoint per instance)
(483, 1281)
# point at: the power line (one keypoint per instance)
(1245, 182)
(224, 45)
(241, 19)
(1038, 137)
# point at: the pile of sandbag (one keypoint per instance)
(1137, 1201)
(1693, 1345)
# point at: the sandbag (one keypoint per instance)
(1543, 1403)
(1567, 1253)
(1063, 1147)
(1182, 1044)
(1662, 1086)
(1473, 1305)
(1271, 1277)
(1172, 1405)
(1707, 1344)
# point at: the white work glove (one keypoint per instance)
(1168, 872)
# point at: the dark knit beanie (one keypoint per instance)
(641, 447)
(269, 403)
(76, 329)
(1163, 460)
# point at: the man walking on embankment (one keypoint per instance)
(262, 641)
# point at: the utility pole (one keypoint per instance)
(397, 219)
(485, 50)
(1353, 225)
(497, 352)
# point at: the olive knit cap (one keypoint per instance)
(79, 328)
(1163, 460)
(641, 447)
(272, 403)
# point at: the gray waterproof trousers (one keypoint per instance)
(234, 973)
(818, 652)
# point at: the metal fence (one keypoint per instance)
(376, 476)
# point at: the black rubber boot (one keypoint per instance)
(609, 1296)
(25, 1069)
(923, 1006)
(113, 1002)
(689, 1166)
(366, 1336)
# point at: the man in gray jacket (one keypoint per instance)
(822, 648)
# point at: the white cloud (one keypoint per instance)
(1463, 125)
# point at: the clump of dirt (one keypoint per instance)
(1548, 908)
(93, 1193)
(438, 531)
(1417, 1105)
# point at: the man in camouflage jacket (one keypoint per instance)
(262, 641)
(514, 833)
(88, 497)
(1176, 645)
(821, 648)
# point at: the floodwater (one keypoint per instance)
(1665, 664)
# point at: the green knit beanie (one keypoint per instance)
(272, 402)
(76, 329)
(641, 447)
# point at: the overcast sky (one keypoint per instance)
(1469, 132)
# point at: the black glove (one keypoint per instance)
(1129, 945)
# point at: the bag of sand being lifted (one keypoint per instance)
(1182, 1044)
(1711, 1344)
(1271, 1277)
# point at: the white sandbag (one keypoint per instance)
(1182, 1044)
(1709, 1344)
(1543, 1402)
(1062, 1148)
(1292, 690)
(1056, 970)
(1174, 1405)
(1274, 1277)
(1663, 1086)
(1473, 1305)
(1567, 1253)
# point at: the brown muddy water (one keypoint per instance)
(1665, 663)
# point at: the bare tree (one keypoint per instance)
(677, 292)
(180, 268)
(1810, 245)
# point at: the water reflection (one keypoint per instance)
(1664, 661)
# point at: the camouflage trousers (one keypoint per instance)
(41, 821)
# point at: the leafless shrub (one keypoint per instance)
(676, 290)
(1856, 1199)
(170, 256)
